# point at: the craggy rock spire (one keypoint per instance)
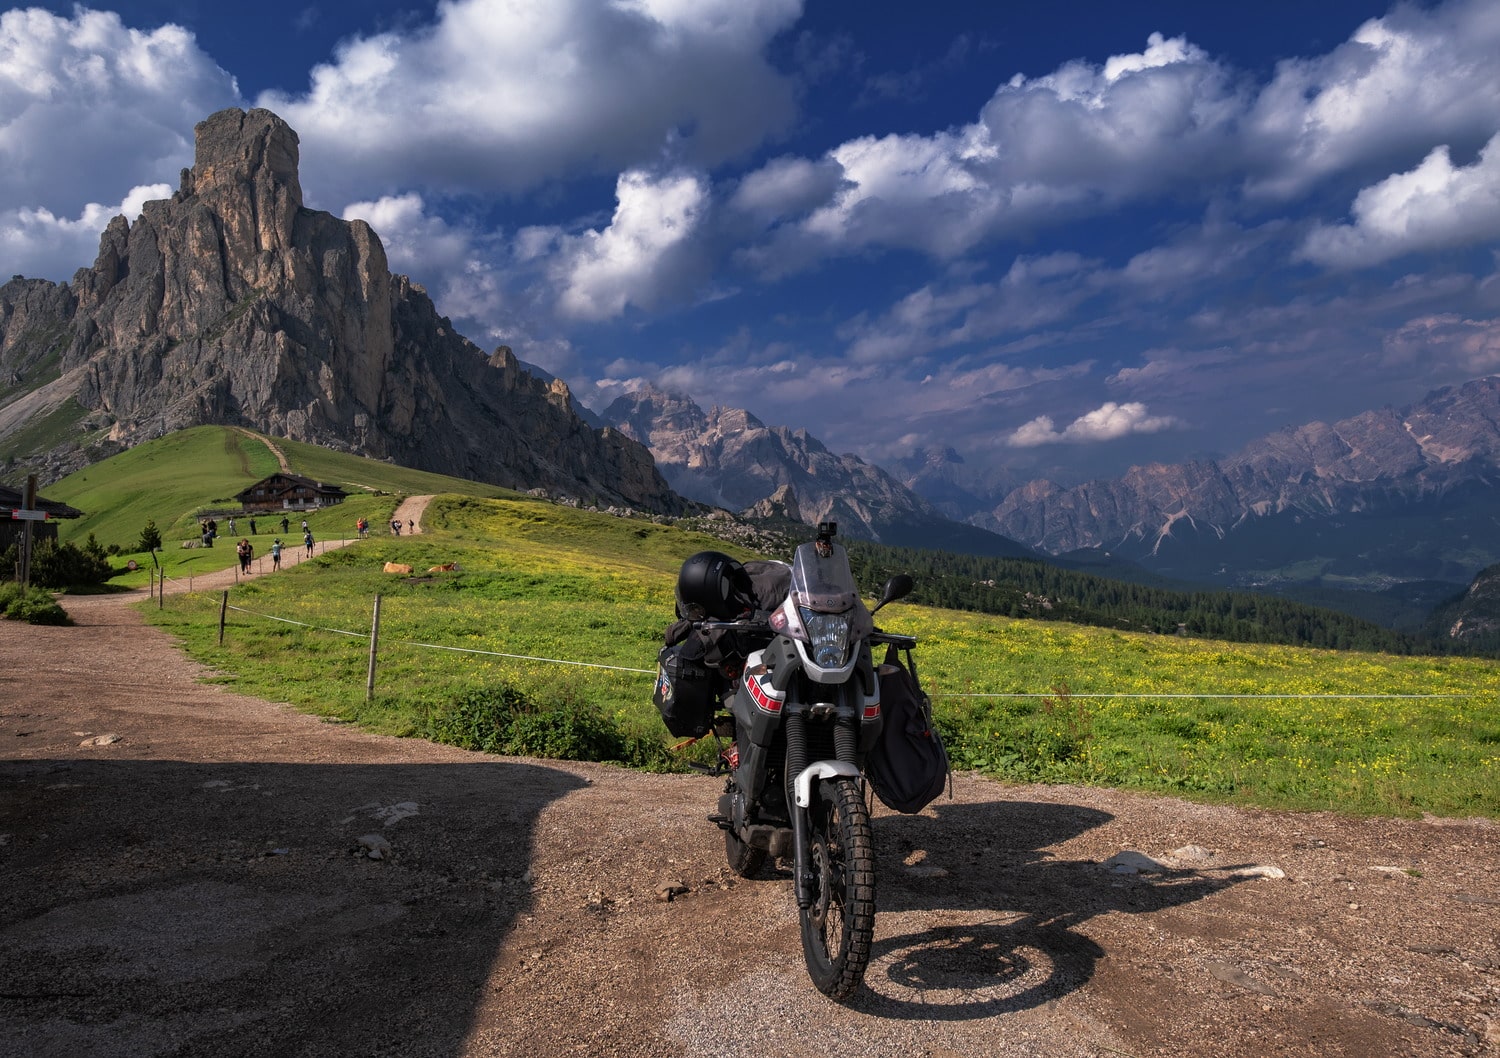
(233, 303)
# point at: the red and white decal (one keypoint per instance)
(872, 710)
(759, 696)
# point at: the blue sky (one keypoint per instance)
(1062, 239)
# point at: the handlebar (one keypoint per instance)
(742, 626)
(900, 642)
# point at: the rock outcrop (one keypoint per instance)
(232, 303)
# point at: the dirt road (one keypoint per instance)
(184, 871)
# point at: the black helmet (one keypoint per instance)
(713, 585)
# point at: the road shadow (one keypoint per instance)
(998, 913)
(166, 908)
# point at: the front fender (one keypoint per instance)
(822, 769)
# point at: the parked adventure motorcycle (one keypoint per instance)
(793, 666)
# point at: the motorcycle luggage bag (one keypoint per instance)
(908, 766)
(683, 694)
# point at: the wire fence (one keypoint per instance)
(373, 635)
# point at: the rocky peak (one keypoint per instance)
(230, 303)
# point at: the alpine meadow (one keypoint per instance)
(542, 641)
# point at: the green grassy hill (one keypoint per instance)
(172, 479)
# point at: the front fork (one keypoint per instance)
(801, 776)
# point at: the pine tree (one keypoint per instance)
(150, 537)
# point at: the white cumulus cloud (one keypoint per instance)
(1416, 77)
(1108, 422)
(505, 94)
(647, 254)
(1435, 206)
(77, 90)
(47, 246)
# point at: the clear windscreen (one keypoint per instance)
(823, 582)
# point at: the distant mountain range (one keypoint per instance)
(728, 458)
(1383, 497)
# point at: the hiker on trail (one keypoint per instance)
(411, 525)
(246, 550)
(395, 526)
(362, 527)
(285, 524)
(231, 525)
(308, 540)
(252, 526)
(304, 525)
(275, 554)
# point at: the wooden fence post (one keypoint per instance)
(374, 640)
(223, 609)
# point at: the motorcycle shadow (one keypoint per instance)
(990, 925)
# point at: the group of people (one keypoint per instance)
(245, 550)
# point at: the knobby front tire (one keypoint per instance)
(838, 928)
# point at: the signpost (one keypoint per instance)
(28, 514)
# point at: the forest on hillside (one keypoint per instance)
(1030, 588)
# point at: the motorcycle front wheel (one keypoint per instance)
(839, 926)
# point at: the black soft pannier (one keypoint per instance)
(684, 691)
(908, 766)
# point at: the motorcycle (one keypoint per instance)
(801, 717)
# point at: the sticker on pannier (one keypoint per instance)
(683, 694)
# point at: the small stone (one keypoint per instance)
(1131, 862)
(375, 846)
(1353, 907)
(102, 740)
(1264, 870)
(1192, 854)
(666, 892)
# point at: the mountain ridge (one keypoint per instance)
(729, 458)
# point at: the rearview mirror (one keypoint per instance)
(898, 587)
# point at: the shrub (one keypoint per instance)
(59, 566)
(34, 606)
(478, 719)
(500, 719)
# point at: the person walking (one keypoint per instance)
(246, 551)
(252, 526)
(285, 524)
(275, 554)
(308, 541)
(231, 525)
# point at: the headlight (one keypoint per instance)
(829, 635)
